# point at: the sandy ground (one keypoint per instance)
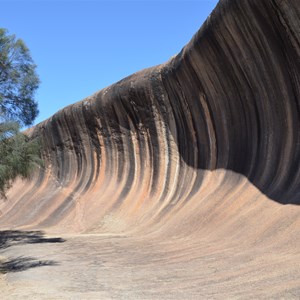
(120, 267)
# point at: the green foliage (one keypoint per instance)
(18, 155)
(18, 83)
(18, 80)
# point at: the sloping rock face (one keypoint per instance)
(183, 180)
(208, 142)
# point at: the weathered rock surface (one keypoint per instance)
(205, 147)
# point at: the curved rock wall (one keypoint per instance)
(207, 142)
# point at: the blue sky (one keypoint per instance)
(81, 46)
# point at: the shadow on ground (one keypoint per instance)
(9, 238)
(23, 263)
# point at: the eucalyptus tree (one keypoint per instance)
(18, 108)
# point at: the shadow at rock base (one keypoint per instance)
(10, 238)
(23, 263)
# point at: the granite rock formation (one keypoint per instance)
(196, 160)
(209, 138)
(227, 106)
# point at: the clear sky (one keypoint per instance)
(82, 46)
